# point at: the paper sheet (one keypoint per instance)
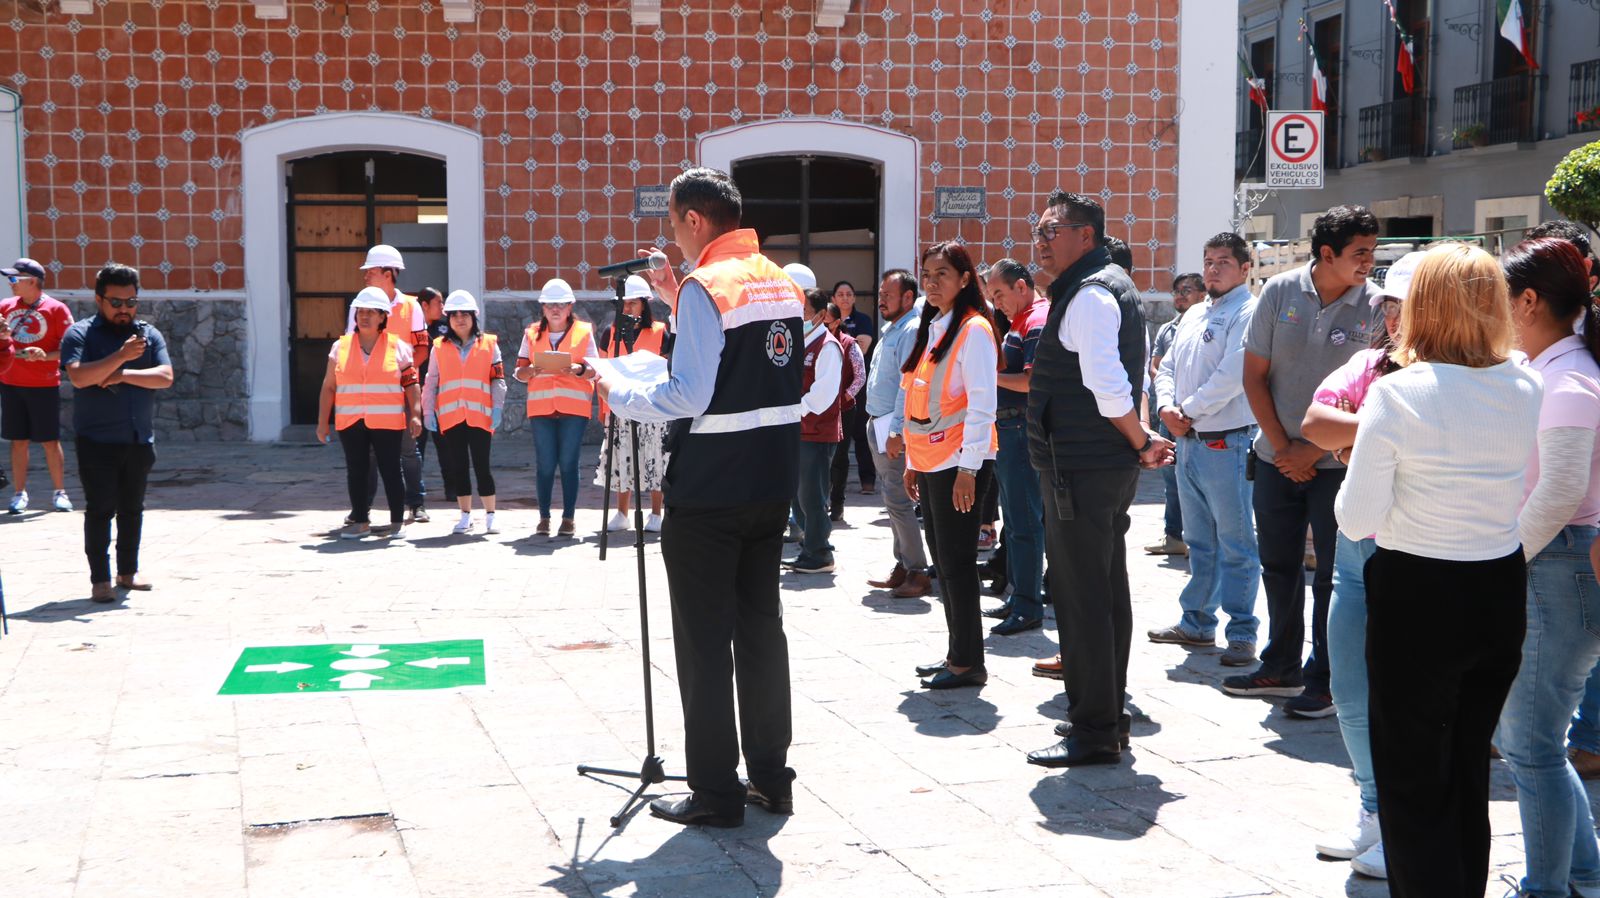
(880, 434)
(633, 371)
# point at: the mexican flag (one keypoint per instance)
(1515, 29)
(1256, 86)
(1404, 54)
(1319, 81)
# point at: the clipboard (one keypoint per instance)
(553, 361)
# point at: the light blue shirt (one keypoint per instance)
(884, 396)
(1203, 372)
(696, 355)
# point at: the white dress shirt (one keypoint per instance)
(1090, 328)
(825, 379)
(1202, 373)
(974, 374)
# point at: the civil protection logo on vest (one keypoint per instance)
(780, 345)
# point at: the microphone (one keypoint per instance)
(653, 262)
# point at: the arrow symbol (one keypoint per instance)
(364, 651)
(356, 680)
(435, 663)
(280, 667)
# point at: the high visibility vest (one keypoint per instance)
(935, 416)
(559, 394)
(464, 386)
(368, 390)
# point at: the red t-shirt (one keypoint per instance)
(41, 326)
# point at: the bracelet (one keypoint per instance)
(1148, 442)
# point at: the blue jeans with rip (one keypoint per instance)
(556, 442)
(1219, 528)
(1558, 653)
(1347, 659)
(810, 509)
(1022, 506)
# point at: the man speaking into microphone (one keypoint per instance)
(733, 398)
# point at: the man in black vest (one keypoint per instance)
(1087, 442)
(735, 404)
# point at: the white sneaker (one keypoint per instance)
(62, 503)
(19, 502)
(1354, 841)
(653, 524)
(488, 524)
(397, 532)
(1370, 862)
(464, 525)
(619, 521)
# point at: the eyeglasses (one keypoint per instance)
(21, 279)
(1047, 232)
(121, 303)
(1391, 308)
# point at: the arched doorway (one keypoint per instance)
(821, 211)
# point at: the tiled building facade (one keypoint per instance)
(137, 114)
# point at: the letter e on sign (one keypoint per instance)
(1294, 150)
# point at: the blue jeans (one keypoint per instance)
(1585, 732)
(1022, 505)
(1219, 528)
(556, 441)
(1169, 483)
(1347, 659)
(811, 500)
(1560, 650)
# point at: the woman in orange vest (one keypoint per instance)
(639, 331)
(559, 400)
(950, 443)
(462, 398)
(371, 393)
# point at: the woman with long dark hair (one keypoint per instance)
(949, 381)
(635, 330)
(1549, 282)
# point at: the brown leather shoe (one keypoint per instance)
(1586, 763)
(133, 581)
(916, 585)
(895, 578)
(103, 593)
(1050, 670)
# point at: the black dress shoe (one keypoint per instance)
(1016, 623)
(690, 812)
(1064, 755)
(928, 670)
(944, 679)
(772, 804)
(1064, 729)
(998, 612)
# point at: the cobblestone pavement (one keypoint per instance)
(124, 773)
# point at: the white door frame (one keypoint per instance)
(264, 152)
(896, 153)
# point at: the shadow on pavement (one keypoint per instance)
(76, 610)
(1072, 802)
(692, 861)
(963, 712)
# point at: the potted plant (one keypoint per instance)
(1373, 154)
(1475, 134)
(1588, 119)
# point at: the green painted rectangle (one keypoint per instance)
(357, 667)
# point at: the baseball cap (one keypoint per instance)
(1397, 283)
(24, 267)
(801, 275)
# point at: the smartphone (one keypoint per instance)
(1250, 464)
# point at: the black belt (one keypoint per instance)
(1211, 435)
(1006, 413)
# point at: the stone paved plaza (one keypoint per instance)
(123, 772)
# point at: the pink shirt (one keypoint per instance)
(1571, 399)
(1350, 381)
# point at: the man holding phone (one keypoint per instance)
(116, 363)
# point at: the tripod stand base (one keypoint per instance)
(653, 771)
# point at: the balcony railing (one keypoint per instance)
(1394, 130)
(1583, 113)
(1249, 156)
(1505, 110)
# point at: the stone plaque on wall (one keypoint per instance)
(650, 202)
(960, 202)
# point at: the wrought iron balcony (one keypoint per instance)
(1249, 156)
(1505, 110)
(1394, 130)
(1583, 107)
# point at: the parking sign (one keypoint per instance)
(1294, 150)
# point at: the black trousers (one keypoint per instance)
(1283, 510)
(1438, 672)
(461, 444)
(113, 476)
(953, 542)
(361, 446)
(1085, 540)
(727, 623)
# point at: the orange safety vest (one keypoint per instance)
(559, 394)
(936, 419)
(405, 305)
(464, 386)
(368, 390)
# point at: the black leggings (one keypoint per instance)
(464, 442)
(358, 440)
(953, 543)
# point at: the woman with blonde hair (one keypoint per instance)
(1437, 473)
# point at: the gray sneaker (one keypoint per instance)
(1179, 636)
(1239, 654)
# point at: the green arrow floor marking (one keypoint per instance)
(356, 667)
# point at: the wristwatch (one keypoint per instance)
(969, 471)
(1148, 442)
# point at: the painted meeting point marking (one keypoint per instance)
(265, 670)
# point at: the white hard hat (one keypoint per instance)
(556, 291)
(372, 298)
(383, 256)
(801, 275)
(1397, 283)
(460, 301)
(637, 288)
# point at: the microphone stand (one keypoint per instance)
(653, 770)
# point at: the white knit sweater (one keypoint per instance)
(1438, 464)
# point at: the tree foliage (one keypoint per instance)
(1574, 188)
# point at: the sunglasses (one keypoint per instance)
(21, 279)
(121, 303)
(1047, 232)
(1391, 308)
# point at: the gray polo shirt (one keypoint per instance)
(1305, 341)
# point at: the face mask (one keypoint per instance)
(808, 327)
